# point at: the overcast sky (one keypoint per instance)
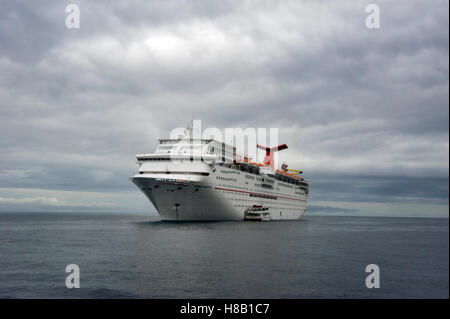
(363, 111)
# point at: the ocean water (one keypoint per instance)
(137, 256)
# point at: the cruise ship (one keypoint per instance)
(189, 179)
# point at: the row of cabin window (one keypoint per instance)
(169, 159)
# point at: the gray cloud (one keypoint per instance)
(396, 189)
(77, 105)
(328, 210)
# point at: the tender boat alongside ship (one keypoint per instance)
(190, 179)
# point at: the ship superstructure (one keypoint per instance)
(204, 179)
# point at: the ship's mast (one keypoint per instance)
(189, 130)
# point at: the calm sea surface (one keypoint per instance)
(137, 256)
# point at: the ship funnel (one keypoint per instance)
(268, 159)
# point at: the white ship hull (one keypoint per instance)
(218, 193)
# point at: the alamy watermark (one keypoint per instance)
(72, 21)
(373, 19)
(373, 279)
(240, 143)
(73, 17)
(73, 279)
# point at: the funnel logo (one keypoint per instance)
(268, 159)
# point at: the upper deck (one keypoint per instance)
(205, 149)
(212, 152)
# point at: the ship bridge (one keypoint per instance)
(187, 157)
(207, 150)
